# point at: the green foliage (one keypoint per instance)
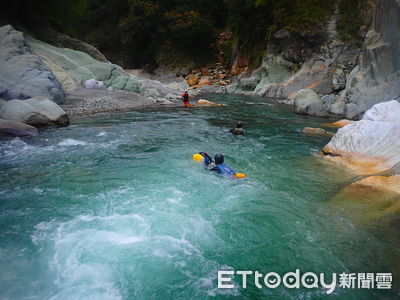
(64, 14)
(350, 20)
(145, 33)
(297, 15)
(252, 21)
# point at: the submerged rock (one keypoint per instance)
(15, 128)
(318, 132)
(307, 102)
(370, 199)
(203, 102)
(38, 111)
(22, 73)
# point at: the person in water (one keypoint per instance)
(207, 160)
(238, 129)
(185, 99)
(220, 167)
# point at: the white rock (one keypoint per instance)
(93, 84)
(386, 111)
(373, 144)
(34, 111)
(374, 139)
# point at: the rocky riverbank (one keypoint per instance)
(347, 78)
(370, 149)
(35, 78)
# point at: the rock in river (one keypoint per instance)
(15, 128)
(317, 131)
(307, 102)
(372, 145)
(38, 111)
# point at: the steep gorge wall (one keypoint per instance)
(351, 77)
(376, 78)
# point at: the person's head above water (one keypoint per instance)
(219, 158)
(239, 125)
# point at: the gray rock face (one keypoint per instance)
(339, 80)
(307, 102)
(248, 84)
(15, 128)
(377, 78)
(23, 74)
(38, 111)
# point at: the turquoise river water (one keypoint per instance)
(114, 207)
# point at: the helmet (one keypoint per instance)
(239, 125)
(219, 158)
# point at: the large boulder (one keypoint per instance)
(22, 73)
(248, 84)
(307, 102)
(82, 67)
(38, 111)
(317, 131)
(386, 111)
(372, 145)
(15, 128)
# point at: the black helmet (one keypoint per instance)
(219, 158)
(239, 125)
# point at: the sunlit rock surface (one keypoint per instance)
(339, 124)
(317, 131)
(372, 145)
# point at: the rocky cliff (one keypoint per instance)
(352, 78)
(376, 78)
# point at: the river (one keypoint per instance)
(114, 207)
